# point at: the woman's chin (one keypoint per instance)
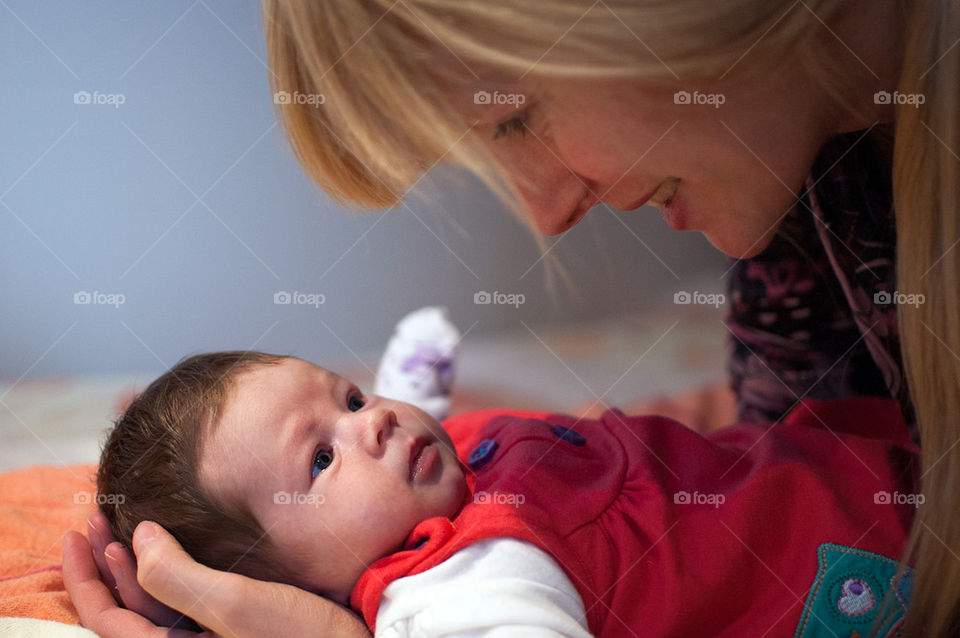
(740, 247)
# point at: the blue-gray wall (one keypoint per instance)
(186, 200)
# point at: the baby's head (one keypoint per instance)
(275, 468)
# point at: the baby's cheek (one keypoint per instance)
(457, 489)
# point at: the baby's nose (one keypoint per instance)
(378, 428)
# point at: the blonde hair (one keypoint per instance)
(384, 122)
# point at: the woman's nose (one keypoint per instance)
(551, 206)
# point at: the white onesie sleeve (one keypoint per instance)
(496, 588)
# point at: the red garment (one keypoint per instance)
(666, 532)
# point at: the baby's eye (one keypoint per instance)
(355, 403)
(321, 461)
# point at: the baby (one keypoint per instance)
(281, 470)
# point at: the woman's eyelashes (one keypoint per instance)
(516, 124)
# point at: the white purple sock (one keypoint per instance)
(418, 364)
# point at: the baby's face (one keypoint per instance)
(328, 472)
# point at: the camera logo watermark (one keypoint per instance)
(897, 498)
(298, 498)
(87, 498)
(86, 97)
(884, 298)
(913, 99)
(97, 298)
(498, 498)
(715, 299)
(312, 99)
(486, 97)
(497, 298)
(686, 498)
(711, 99)
(297, 298)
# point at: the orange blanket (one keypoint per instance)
(37, 506)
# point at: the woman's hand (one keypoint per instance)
(164, 585)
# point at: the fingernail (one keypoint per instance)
(145, 533)
(112, 550)
(116, 567)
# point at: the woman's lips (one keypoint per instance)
(658, 195)
(663, 192)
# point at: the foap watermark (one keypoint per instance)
(698, 498)
(311, 99)
(710, 99)
(111, 99)
(297, 298)
(486, 97)
(97, 298)
(87, 498)
(913, 99)
(497, 298)
(884, 298)
(298, 498)
(498, 498)
(898, 498)
(715, 299)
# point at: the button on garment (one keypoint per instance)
(569, 435)
(482, 454)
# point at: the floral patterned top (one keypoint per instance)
(811, 315)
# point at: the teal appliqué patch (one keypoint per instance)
(848, 594)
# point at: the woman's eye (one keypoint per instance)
(321, 461)
(355, 403)
(513, 125)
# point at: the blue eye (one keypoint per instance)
(321, 461)
(355, 403)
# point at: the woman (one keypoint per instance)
(786, 132)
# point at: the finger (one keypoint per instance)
(168, 573)
(98, 529)
(81, 577)
(89, 594)
(96, 606)
(123, 565)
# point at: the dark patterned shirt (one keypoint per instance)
(809, 316)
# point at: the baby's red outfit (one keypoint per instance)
(774, 530)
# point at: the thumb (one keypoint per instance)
(169, 574)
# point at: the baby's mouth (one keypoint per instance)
(422, 458)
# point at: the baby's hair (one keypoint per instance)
(150, 465)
